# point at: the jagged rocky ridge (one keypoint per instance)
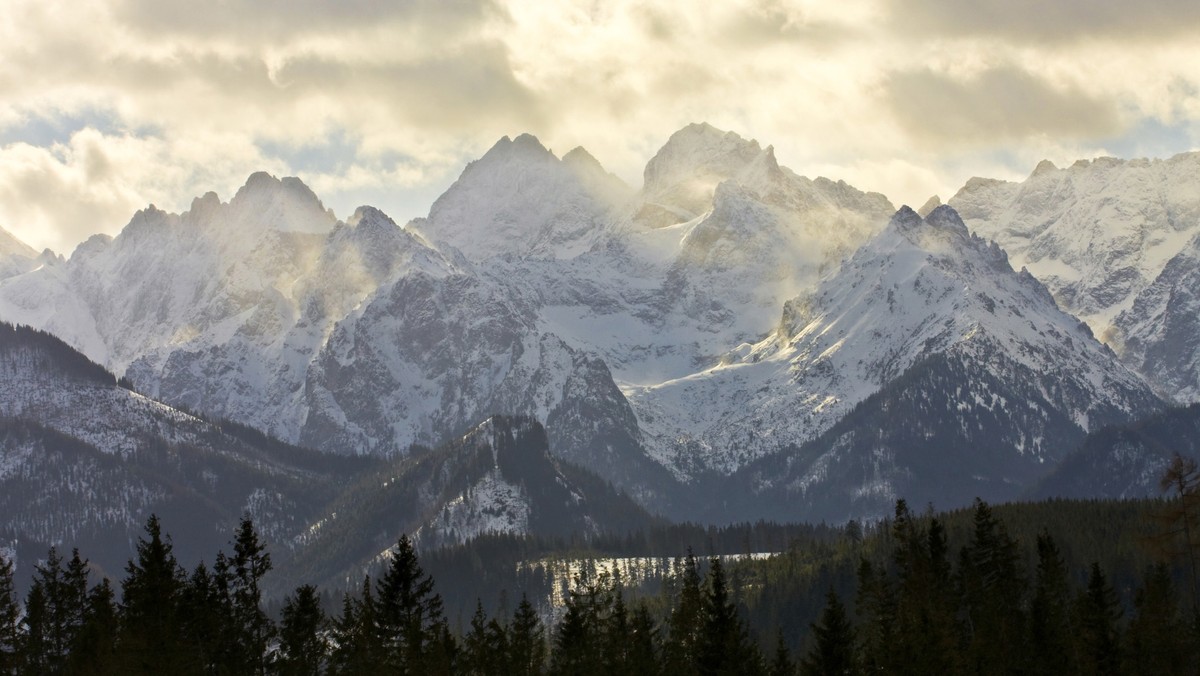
(665, 337)
(1115, 241)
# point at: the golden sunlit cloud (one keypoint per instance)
(107, 106)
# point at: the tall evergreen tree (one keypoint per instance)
(94, 651)
(412, 628)
(876, 607)
(34, 647)
(1181, 517)
(1098, 611)
(686, 623)
(643, 654)
(1050, 628)
(302, 645)
(725, 646)
(833, 651)
(249, 564)
(9, 618)
(358, 649)
(527, 641)
(1158, 638)
(781, 664)
(205, 609)
(578, 643)
(149, 639)
(992, 589)
(476, 659)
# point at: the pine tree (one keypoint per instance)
(643, 643)
(578, 646)
(993, 593)
(1050, 612)
(34, 647)
(411, 626)
(150, 635)
(358, 648)
(725, 646)
(476, 660)
(94, 652)
(9, 614)
(1098, 611)
(301, 641)
(205, 609)
(781, 664)
(833, 651)
(686, 623)
(876, 606)
(1180, 537)
(63, 594)
(250, 563)
(527, 641)
(1157, 641)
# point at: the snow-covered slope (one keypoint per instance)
(922, 287)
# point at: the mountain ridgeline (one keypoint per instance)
(729, 341)
(85, 461)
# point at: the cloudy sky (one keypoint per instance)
(108, 105)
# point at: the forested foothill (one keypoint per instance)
(1055, 587)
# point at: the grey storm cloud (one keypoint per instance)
(1042, 21)
(1003, 103)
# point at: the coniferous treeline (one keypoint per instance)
(994, 605)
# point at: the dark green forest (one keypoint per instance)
(1055, 587)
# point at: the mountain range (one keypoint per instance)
(729, 341)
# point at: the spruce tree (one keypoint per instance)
(527, 641)
(686, 623)
(34, 647)
(833, 649)
(1157, 641)
(781, 663)
(643, 656)
(1050, 629)
(876, 607)
(578, 645)
(94, 652)
(1098, 610)
(411, 626)
(302, 644)
(992, 590)
(249, 564)
(205, 609)
(150, 635)
(358, 648)
(725, 646)
(475, 658)
(9, 614)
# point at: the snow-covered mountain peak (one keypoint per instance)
(285, 205)
(1043, 167)
(521, 200)
(686, 171)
